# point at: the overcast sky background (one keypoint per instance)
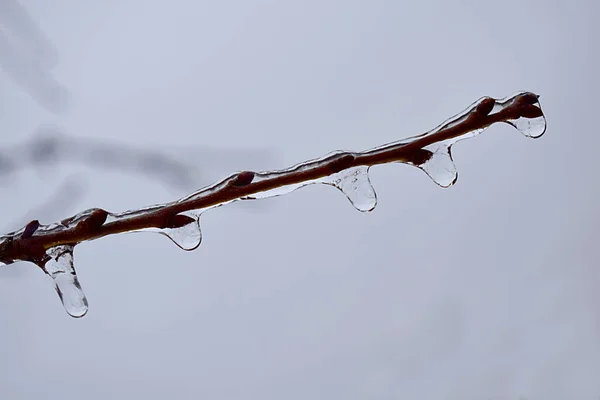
(486, 290)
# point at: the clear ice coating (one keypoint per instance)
(285, 189)
(347, 171)
(355, 184)
(59, 267)
(280, 191)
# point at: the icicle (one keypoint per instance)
(61, 271)
(355, 184)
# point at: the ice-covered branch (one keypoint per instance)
(51, 246)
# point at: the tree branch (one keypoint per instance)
(50, 246)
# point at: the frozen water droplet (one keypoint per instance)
(183, 229)
(532, 122)
(438, 165)
(61, 271)
(530, 127)
(187, 236)
(356, 185)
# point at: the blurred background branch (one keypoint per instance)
(174, 166)
(27, 57)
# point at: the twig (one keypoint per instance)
(51, 246)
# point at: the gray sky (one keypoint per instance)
(486, 290)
